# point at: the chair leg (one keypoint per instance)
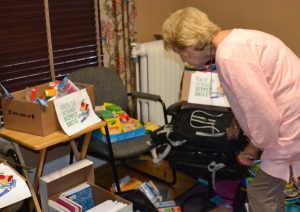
(112, 160)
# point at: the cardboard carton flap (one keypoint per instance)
(185, 89)
(68, 177)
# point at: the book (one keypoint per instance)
(82, 195)
(152, 194)
(56, 207)
(76, 205)
(170, 209)
(169, 206)
(127, 183)
(69, 204)
(108, 206)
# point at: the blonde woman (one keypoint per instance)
(260, 76)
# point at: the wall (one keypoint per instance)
(277, 17)
(151, 14)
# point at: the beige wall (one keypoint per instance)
(278, 17)
(151, 14)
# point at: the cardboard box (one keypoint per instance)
(77, 173)
(97, 135)
(203, 88)
(33, 118)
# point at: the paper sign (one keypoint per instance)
(206, 89)
(16, 194)
(75, 112)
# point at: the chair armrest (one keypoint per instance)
(5, 146)
(8, 151)
(151, 97)
(143, 95)
(174, 109)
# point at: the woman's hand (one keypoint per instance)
(249, 155)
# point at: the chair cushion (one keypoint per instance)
(122, 150)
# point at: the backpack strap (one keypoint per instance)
(213, 167)
(167, 129)
(158, 157)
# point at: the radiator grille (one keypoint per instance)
(158, 72)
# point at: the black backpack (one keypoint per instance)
(200, 129)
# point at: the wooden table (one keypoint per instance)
(40, 144)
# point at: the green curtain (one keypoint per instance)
(117, 33)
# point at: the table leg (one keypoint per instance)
(39, 169)
(33, 193)
(75, 150)
(85, 145)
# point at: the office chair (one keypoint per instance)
(108, 87)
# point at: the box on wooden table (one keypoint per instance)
(56, 183)
(33, 118)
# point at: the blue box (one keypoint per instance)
(97, 135)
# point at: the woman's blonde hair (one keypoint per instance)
(188, 27)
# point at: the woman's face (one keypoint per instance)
(194, 57)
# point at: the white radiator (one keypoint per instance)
(158, 72)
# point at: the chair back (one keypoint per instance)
(108, 86)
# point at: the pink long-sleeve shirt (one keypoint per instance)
(261, 78)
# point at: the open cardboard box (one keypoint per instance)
(77, 173)
(33, 118)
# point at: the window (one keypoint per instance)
(42, 40)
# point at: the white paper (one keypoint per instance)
(75, 112)
(206, 89)
(108, 206)
(18, 193)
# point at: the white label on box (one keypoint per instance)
(206, 89)
(75, 112)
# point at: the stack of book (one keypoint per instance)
(150, 190)
(76, 199)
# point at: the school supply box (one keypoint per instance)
(120, 125)
(24, 113)
(65, 183)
